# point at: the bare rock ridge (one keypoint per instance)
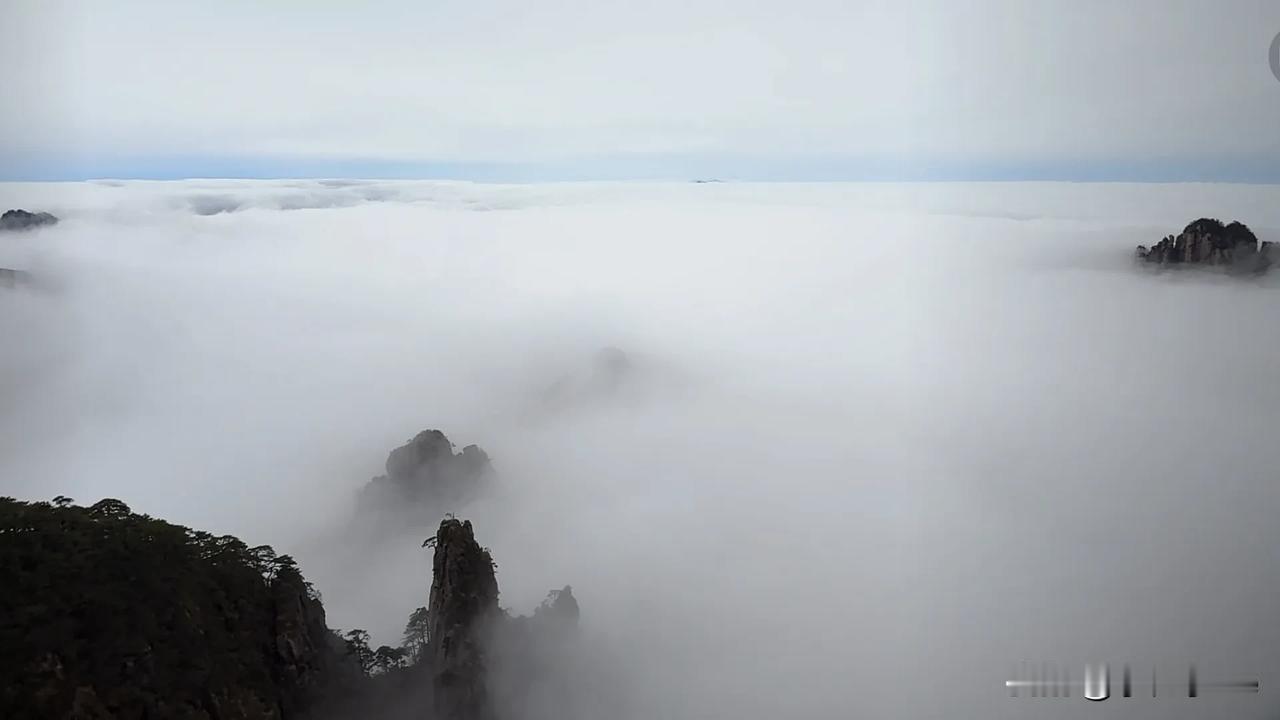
(23, 220)
(1208, 242)
(426, 477)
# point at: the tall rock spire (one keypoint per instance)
(464, 599)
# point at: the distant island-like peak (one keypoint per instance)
(22, 220)
(1209, 242)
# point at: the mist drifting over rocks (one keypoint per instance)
(423, 475)
(863, 434)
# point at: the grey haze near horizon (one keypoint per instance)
(883, 442)
(821, 89)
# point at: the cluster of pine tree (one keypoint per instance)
(109, 613)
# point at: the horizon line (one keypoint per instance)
(1231, 169)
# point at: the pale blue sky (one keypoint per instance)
(749, 89)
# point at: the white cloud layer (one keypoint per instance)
(884, 440)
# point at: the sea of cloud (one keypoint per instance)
(878, 443)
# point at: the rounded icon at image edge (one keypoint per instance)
(1273, 56)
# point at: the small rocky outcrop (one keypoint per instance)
(425, 476)
(560, 607)
(23, 220)
(462, 608)
(1208, 242)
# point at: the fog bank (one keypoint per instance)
(874, 445)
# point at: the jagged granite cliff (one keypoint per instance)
(23, 220)
(486, 663)
(425, 478)
(463, 606)
(1208, 242)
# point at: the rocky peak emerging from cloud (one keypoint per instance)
(485, 663)
(23, 220)
(464, 601)
(1208, 242)
(425, 476)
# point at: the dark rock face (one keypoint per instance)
(485, 663)
(463, 605)
(310, 660)
(1208, 242)
(23, 220)
(425, 476)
